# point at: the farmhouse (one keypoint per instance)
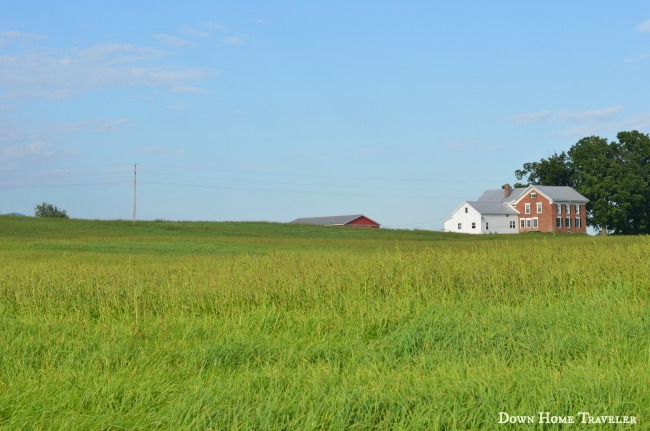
(356, 220)
(515, 210)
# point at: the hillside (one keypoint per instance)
(225, 237)
(247, 326)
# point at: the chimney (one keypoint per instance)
(506, 190)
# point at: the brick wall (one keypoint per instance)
(545, 218)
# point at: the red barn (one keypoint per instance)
(356, 220)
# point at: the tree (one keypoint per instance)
(554, 170)
(614, 176)
(599, 177)
(48, 210)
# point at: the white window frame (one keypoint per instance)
(560, 224)
(473, 225)
(578, 223)
(522, 223)
(568, 209)
(527, 208)
(558, 207)
(577, 211)
(460, 226)
(567, 222)
(535, 223)
(529, 223)
(539, 207)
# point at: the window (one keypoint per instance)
(559, 208)
(539, 207)
(465, 210)
(460, 226)
(473, 225)
(533, 195)
(577, 209)
(486, 225)
(527, 209)
(567, 222)
(528, 223)
(513, 224)
(522, 223)
(578, 223)
(535, 223)
(568, 209)
(558, 222)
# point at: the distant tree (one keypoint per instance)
(48, 210)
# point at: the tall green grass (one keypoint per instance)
(106, 325)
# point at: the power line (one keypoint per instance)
(254, 189)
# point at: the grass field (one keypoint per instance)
(107, 325)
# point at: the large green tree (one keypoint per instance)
(614, 176)
(555, 170)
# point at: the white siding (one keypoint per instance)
(497, 223)
(500, 223)
(465, 219)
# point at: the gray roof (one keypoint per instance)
(329, 221)
(498, 195)
(555, 193)
(562, 194)
(492, 208)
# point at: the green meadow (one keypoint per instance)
(110, 325)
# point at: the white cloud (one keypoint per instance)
(40, 150)
(157, 150)
(473, 147)
(74, 72)
(604, 121)
(215, 26)
(638, 122)
(21, 142)
(24, 140)
(174, 41)
(458, 145)
(644, 27)
(7, 37)
(194, 32)
(635, 59)
(582, 116)
(566, 116)
(187, 89)
(234, 40)
(532, 117)
(92, 125)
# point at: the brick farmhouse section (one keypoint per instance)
(543, 214)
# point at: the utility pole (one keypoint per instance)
(135, 171)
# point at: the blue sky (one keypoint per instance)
(258, 110)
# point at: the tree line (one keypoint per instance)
(613, 175)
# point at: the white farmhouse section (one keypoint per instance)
(464, 220)
(482, 217)
(496, 223)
